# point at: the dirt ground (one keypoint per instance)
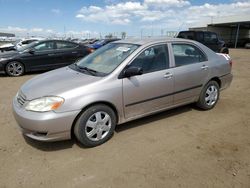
(183, 147)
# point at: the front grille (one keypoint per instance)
(21, 99)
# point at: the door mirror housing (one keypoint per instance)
(132, 71)
(31, 51)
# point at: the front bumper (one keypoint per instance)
(44, 126)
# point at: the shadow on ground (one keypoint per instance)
(2, 74)
(155, 117)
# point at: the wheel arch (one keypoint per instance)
(112, 106)
(216, 79)
(13, 60)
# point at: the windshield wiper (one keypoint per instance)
(91, 71)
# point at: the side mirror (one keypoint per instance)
(31, 51)
(132, 71)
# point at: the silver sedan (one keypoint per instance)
(120, 82)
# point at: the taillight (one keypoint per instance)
(90, 50)
(230, 63)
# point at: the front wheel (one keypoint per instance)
(209, 96)
(95, 125)
(14, 68)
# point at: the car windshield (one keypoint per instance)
(107, 58)
(28, 46)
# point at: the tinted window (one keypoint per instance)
(199, 36)
(210, 37)
(152, 59)
(186, 35)
(65, 45)
(45, 46)
(214, 38)
(185, 54)
(28, 41)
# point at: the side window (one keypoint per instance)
(214, 38)
(65, 45)
(152, 59)
(30, 41)
(45, 46)
(199, 36)
(207, 37)
(185, 54)
(27, 42)
(186, 35)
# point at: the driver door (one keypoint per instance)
(151, 91)
(43, 56)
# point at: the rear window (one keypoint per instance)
(185, 54)
(186, 35)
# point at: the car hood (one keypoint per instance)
(7, 45)
(9, 54)
(56, 82)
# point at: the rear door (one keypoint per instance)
(150, 91)
(190, 72)
(67, 52)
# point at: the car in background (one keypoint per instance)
(121, 81)
(247, 45)
(100, 43)
(209, 39)
(41, 55)
(17, 44)
(241, 43)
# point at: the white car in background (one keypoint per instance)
(18, 44)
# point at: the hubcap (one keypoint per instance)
(98, 126)
(15, 69)
(211, 95)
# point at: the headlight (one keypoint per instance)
(44, 104)
(3, 59)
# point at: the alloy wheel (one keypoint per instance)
(211, 95)
(98, 126)
(15, 69)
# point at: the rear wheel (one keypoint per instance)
(95, 125)
(14, 68)
(209, 96)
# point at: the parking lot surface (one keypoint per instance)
(183, 147)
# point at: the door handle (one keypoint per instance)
(74, 52)
(51, 54)
(204, 67)
(168, 75)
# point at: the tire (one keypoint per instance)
(209, 96)
(14, 68)
(95, 125)
(224, 50)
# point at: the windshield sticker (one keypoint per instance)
(122, 49)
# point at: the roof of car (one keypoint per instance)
(149, 40)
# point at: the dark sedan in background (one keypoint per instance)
(41, 55)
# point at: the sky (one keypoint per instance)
(95, 18)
